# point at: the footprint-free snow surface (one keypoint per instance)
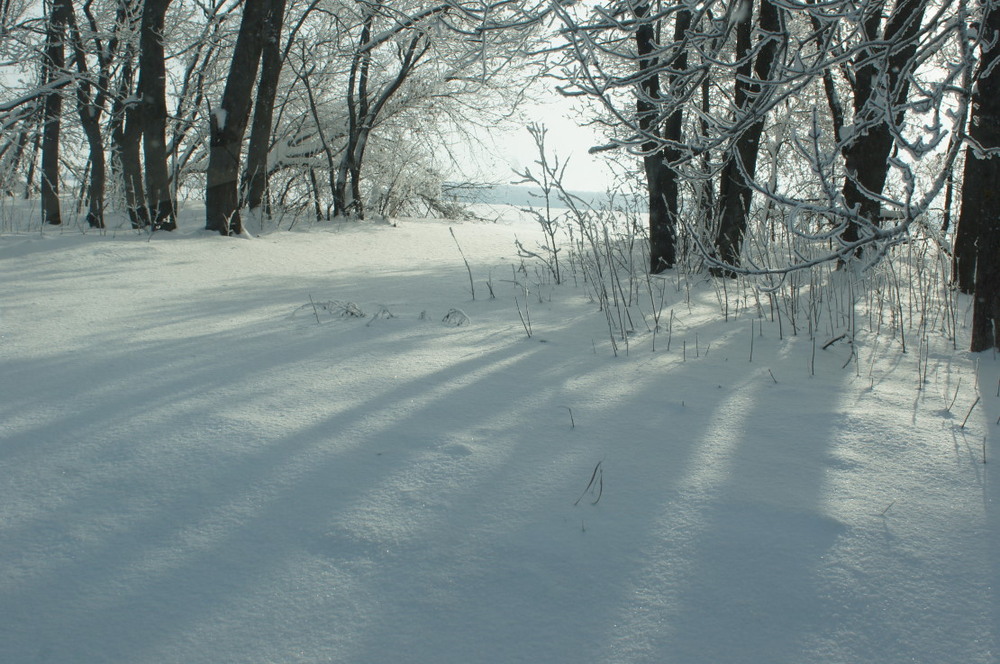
(315, 446)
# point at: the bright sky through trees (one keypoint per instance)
(511, 148)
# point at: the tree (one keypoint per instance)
(228, 122)
(198, 74)
(91, 98)
(842, 165)
(125, 128)
(653, 76)
(981, 187)
(371, 70)
(659, 155)
(54, 62)
(979, 164)
(272, 59)
(419, 65)
(365, 103)
(883, 66)
(753, 71)
(153, 115)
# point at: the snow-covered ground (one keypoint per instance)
(202, 459)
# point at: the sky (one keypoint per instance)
(513, 148)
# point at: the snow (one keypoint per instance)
(203, 460)
(221, 116)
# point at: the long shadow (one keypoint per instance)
(732, 567)
(129, 502)
(245, 483)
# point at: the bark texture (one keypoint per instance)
(881, 86)
(658, 155)
(981, 192)
(153, 115)
(228, 123)
(54, 64)
(255, 179)
(735, 193)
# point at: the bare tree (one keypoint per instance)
(153, 115)
(418, 65)
(54, 62)
(365, 104)
(201, 74)
(882, 69)
(658, 156)
(753, 71)
(981, 188)
(272, 59)
(228, 123)
(91, 98)
(365, 72)
(845, 163)
(655, 73)
(125, 126)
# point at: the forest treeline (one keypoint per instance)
(849, 125)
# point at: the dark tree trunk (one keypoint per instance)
(98, 167)
(981, 192)
(125, 140)
(975, 184)
(54, 63)
(735, 192)
(884, 63)
(661, 180)
(949, 191)
(126, 129)
(228, 124)
(90, 107)
(255, 183)
(984, 202)
(364, 110)
(370, 111)
(979, 202)
(345, 204)
(153, 114)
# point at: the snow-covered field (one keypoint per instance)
(202, 460)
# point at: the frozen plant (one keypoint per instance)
(549, 180)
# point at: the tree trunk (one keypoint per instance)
(735, 194)
(125, 139)
(98, 167)
(357, 110)
(153, 114)
(228, 123)
(979, 203)
(90, 106)
(364, 109)
(255, 179)
(661, 180)
(882, 71)
(985, 197)
(981, 191)
(126, 130)
(54, 64)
